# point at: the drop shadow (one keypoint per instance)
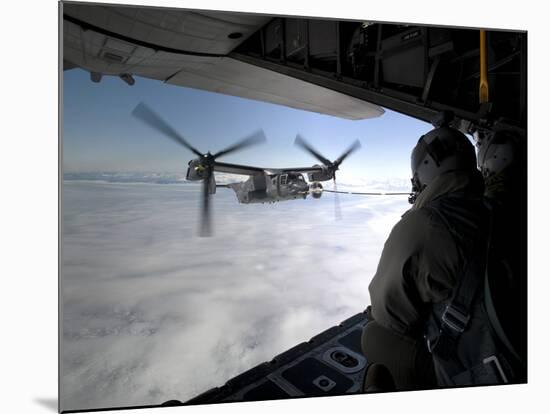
(49, 403)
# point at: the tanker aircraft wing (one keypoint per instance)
(191, 49)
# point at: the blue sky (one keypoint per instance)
(101, 135)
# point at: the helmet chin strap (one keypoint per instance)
(416, 189)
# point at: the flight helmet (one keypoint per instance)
(495, 154)
(441, 150)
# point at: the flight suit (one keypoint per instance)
(417, 269)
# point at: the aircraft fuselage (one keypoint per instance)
(271, 188)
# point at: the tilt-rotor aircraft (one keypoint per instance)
(343, 68)
(264, 185)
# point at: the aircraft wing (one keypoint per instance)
(249, 170)
(191, 49)
(294, 170)
(238, 169)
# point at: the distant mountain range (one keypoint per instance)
(345, 184)
(143, 177)
(127, 177)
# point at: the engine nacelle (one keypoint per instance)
(196, 171)
(316, 189)
(323, 175)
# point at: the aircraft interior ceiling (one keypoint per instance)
(349, 69)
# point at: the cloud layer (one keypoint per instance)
(151, 312)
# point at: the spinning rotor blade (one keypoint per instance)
(151, 118)
(253, 139)
(337, 209)
(206, 230)
(354, 147)
(302, 143)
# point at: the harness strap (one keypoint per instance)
(456, 313)
(488, 371)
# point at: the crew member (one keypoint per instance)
(502, 162)
(422, 258)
